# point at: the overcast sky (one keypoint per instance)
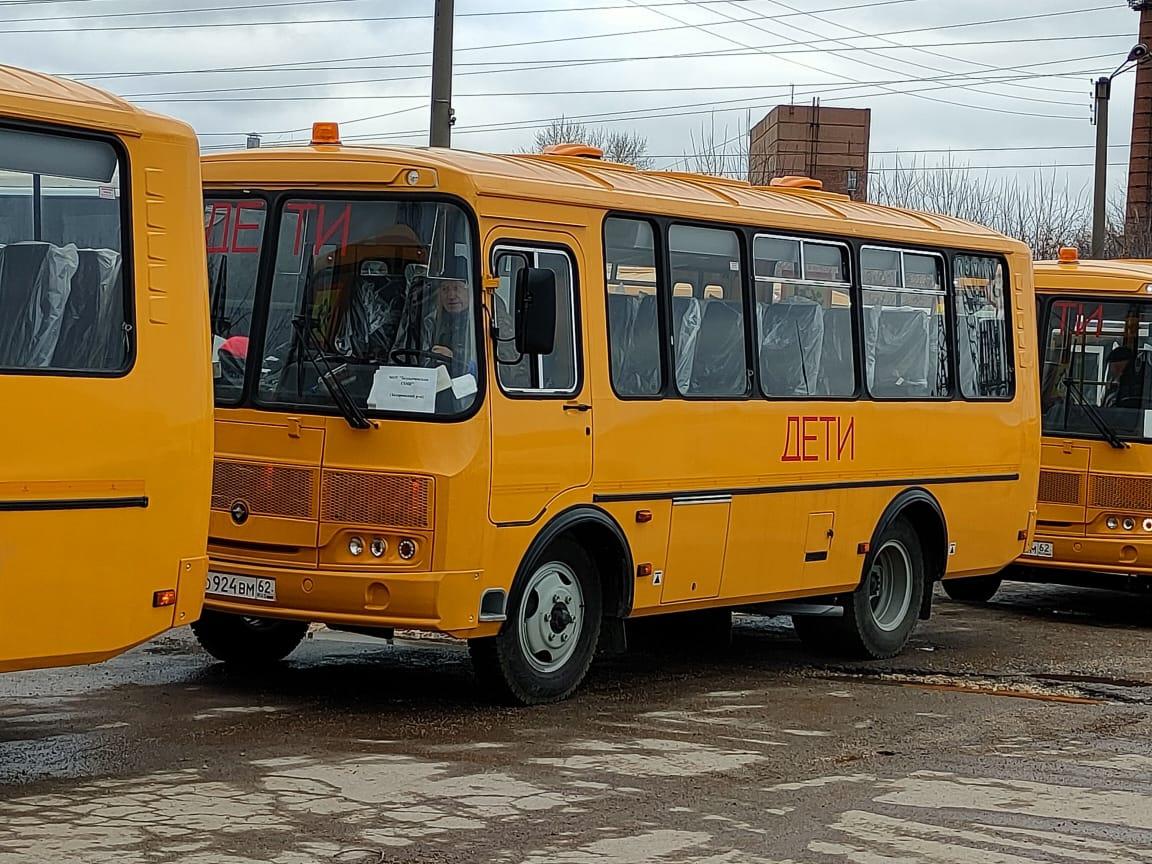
(382, 47)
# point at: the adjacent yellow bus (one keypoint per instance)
(1095, 495)
(521, 399)
(104, 372)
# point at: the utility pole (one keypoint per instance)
(1102, 95)
(440, 130)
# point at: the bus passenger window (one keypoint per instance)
(633, 315)
(61, 276)
(803, 318)
(905, 335)
(983, 344)
(708, 327)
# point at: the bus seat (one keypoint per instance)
(719, 367)
(88, 322)
(837, 374)
(902, 353)
(791, 345)
(622, 309)
(640, 367)
(685, 332)
(35, 281)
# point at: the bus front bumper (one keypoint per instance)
(444, 602)
(1122, 555)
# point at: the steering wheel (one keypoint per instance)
(430, 357)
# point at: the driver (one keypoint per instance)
(1123, 381)
(452, 329)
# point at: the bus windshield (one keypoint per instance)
(371, 302)
(1096, 380)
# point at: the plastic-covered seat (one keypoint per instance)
(791, 345)
(902, 354)
(622, 310)
(88, 323)
(837, 370)
(686, 318)
(35, 281)
(640, 369)
(719, 367)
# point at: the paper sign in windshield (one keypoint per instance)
(404, 388)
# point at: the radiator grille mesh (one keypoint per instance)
(1117, 492)
(268, 490)
(1059, 487)
(394, 500)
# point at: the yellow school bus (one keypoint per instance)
(1094, 520)
(521, 399)
(104, 372)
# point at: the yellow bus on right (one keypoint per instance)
(1094, 515)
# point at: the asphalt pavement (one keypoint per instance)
(1020, 731)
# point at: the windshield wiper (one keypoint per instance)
(329, 375)
(1096, 417)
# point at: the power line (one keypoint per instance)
(545, 65)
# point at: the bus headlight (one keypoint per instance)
(1112, 522)
(407, 549)
(1129, 523)
(378, 547)
(1147, 524)
(355, 545)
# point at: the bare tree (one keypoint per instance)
(717, 152)
(619, 145)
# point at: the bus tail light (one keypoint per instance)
(163, 598)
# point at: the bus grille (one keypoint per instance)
(1059, 487)
(268, 490)
(1118, 492)
(395, 500)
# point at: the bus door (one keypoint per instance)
(540, 405)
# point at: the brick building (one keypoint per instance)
(829, 144)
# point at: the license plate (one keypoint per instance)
(244, 587)
(1040, 550)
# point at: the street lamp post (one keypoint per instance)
(1102, 95)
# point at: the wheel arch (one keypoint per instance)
(603, 539)
(922, 509)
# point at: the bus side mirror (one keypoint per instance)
(535, 311)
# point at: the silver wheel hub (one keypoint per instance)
(890, 586)
(551, 616)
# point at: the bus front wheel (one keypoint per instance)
(248, 641)
(979, 589)
(546, 646)
(881, 614)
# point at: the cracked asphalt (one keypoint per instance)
(1016, 732)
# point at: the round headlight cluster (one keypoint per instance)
(355, 545)
(378, 547)
(1112, 522)
(406, 548)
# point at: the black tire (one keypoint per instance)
(979, 589)
(865, 631)
(506, 665)
(245, 641)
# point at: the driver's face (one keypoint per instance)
(1116, 368)
(453, 295)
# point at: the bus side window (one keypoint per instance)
(555, 373)
(633, 319)
(982, 337)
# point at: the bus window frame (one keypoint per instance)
(751, 366)
(127, 248)
(257, 294)
(1045, 301)
(855, 293)
(277, 198)
(513, 244)
(660, 254)
(950, 337)
(1009, 323)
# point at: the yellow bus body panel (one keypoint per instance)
(77, 584)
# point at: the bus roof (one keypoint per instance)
(593, 183)
(38, 96)
(1114, 276)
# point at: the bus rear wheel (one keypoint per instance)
(546, 646)
(979, 589)
(244, 641)
(881, 614)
